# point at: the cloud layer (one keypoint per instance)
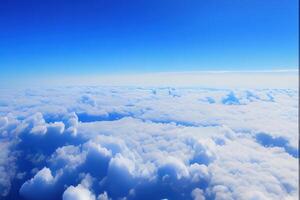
(96, 143)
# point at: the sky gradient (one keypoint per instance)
(117, 37)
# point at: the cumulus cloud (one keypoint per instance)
(7, 167)
(149, 143)
(197, 194)
(103, 196)
(40, 186)
(81, 191)
(78, 193)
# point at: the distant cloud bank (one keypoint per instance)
(285, 78)
(100, 143)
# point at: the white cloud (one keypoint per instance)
(7, 167)
(40, 186)
(103, 196)
(78, 193)
(56, 127)
(197, 194)
(81, 191)
(155, 143)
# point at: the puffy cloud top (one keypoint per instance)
(78, 193)
(40, 185)
(149, 143)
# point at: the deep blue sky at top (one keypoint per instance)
(120, 36)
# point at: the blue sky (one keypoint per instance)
(118, 36)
